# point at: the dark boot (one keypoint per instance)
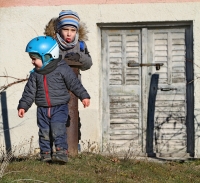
(45, 156)
(60, 155)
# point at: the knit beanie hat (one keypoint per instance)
(68, 18)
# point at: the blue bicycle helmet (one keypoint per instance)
(44, 45)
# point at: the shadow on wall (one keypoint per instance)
(6, 128)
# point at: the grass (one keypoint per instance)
(94, 168)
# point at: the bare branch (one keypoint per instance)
(3, 88)
(9, 77)
(193, 80)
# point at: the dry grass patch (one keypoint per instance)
(94, 168)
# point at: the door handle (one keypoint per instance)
(167, 89)
(134, 64)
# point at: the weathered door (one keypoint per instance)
(144, 109)
(168, 110)
(121, 90)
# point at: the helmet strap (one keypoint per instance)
(46, 63)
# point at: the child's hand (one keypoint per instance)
(21, 113)
(86, 102)
(73, 56)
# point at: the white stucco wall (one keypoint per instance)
(20, 24)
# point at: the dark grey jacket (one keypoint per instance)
(52, 89)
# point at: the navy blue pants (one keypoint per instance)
(52, 127)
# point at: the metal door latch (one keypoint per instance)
(157, 65)
(167, 89)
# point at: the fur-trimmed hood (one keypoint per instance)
(50, 29)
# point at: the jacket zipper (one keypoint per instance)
(47, 94)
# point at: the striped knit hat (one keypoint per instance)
(68, 18)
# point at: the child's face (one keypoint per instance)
(68, 33)
(36, 62)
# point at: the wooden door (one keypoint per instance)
(147, 110)
(169, 108)
(121, 90)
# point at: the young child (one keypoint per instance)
(48, 86)
(71, 35)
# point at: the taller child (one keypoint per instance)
(71, 34)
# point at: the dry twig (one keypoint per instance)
(29, 180)
(4, 87)
(5, 163)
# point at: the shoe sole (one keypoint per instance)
(57, 159)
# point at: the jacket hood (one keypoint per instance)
(50, 29)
